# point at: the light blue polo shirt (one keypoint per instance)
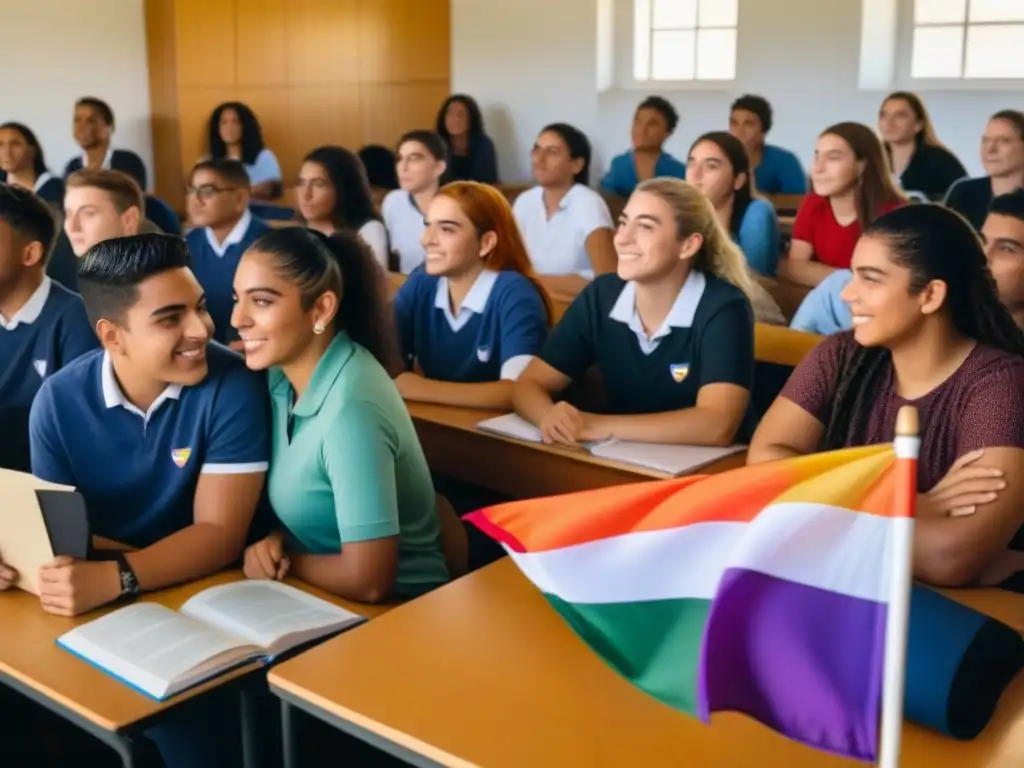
(405, 225)
(138, 471)
(264, 168)
(353, 469)
(499, 328)
(621, 177)
(822, 311)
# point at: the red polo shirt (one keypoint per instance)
(832, 242)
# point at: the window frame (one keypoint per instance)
(628, 73)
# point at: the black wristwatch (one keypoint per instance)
(129, 583)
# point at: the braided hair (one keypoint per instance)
(934, 243)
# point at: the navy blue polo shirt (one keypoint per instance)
(214, 266)
(123, 160)
(138, 471)
(707, 338)
(499, 328)
(49, 331)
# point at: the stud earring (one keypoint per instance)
(318, 329)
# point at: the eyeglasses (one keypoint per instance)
(207, 191)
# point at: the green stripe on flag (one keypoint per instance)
(653, 644)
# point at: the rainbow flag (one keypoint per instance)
(761, 590)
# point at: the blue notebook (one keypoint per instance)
(161, 652)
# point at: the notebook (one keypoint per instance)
(162, 652)
(670, 459)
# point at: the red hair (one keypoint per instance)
(489, 211)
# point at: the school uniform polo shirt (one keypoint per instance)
(499, 328)
(822, 310)
(49, 331)
(621, 178)
(264, 168)
(138, 471)
(351, 468)
(706, 338)
(558, 245)
(971, 199)
(214, 266)
(405, 225)
(123, 160)
(779, 172)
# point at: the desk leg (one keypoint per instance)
(289, 743)
(125, 748)
(250, 728)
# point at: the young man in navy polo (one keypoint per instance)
(164, 434)
(43, 326)
(218, 206)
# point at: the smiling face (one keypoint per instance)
(163, 336)
(450, 240)
(90, 130)
(315, 192)
(269, 314)
(709, 170)
(897, 122)
(646, 240)
(836, 169)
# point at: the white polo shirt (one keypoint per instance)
(405, 225)
(558, 246)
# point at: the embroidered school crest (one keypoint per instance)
(180, 456)
(483, 354)
(679, 371)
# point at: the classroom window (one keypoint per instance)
(968, 39)
(684, 39)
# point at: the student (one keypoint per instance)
(672, 333)
(852, 185)
(23, 164)
(566, 225)
(334, 196)
(719, 167)
(918, 159)
(94, 124)
(471, 155)
(776, 170)
(218, 206)
(421, 165)
(655, 120)
(235, 134)
(348, 478)
(474, 315)
(1002, 156)
(43, 326)
(929, 331)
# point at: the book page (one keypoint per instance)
(511, 425)
(670, 459)
(266, 612)
(24, 539)
(148, 646)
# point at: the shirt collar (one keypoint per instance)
(107, 160)
(684, 308)
(31, 309)
(474, 303)
(114, 397)
(327, 371)
(43, 177)
(234, 237)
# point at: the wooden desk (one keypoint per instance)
(483, 673)
(33, 664)
(455, 447)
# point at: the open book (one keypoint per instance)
(161, 652)
(670, 459)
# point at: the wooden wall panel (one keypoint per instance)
(347, 72)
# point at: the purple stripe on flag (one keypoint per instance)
(804, 661)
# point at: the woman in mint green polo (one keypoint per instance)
(348, 479)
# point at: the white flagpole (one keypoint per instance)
(907, 446)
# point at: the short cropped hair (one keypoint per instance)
(663, 106)
(1010, 204)
(100, 106)
(111, 271)
(230, 171)
(759, 105)
(430, 139)
(123, 190)
(29, 216)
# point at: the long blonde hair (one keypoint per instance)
(719, 255)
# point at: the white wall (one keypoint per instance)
(55, 51)
(530, 62)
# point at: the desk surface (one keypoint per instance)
(483, 673)
(455, 447)
(29, 653)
